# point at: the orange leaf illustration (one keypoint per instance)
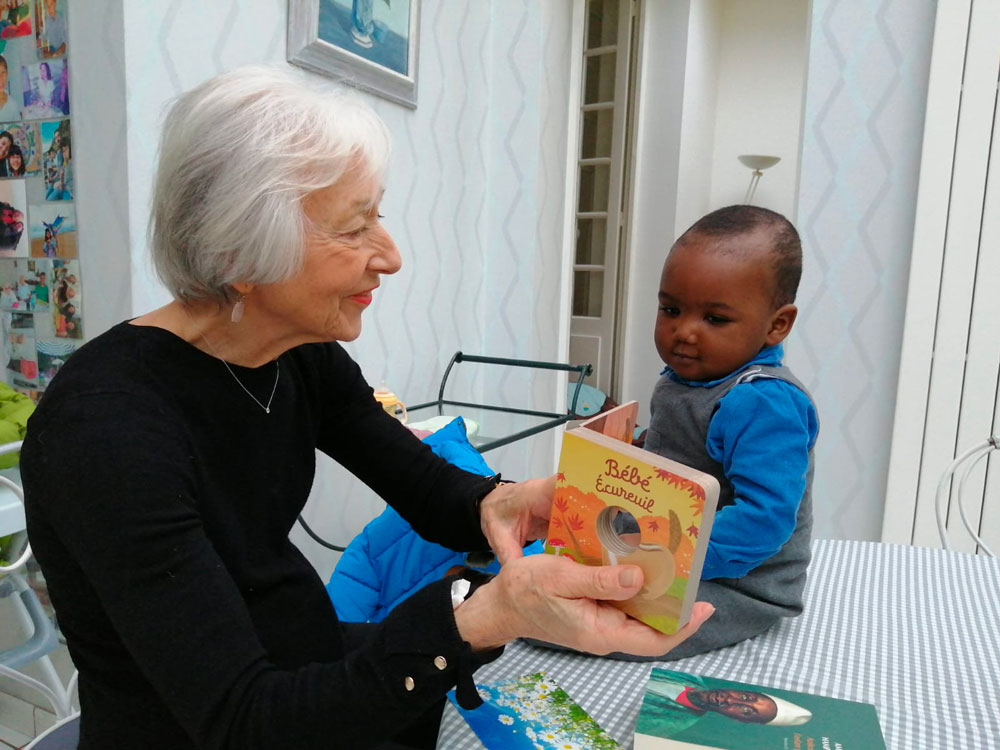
(698, 503)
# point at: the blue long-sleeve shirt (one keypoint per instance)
(761, 433)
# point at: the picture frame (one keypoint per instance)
(369, 44)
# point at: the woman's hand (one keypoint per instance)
(516, 513)
(555, 599)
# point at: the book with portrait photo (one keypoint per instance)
(617, 504)
(683, 711)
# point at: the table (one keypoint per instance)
(489, 427)
(499, 425)
(914, 631)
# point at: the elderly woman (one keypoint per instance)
(170, 457)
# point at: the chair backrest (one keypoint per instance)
(12, 515)
(14, 588)
(961, 468)
(64, 735)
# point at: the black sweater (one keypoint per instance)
(159, 499)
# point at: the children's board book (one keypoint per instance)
(687, 712)
(618, 504)
(534, 713)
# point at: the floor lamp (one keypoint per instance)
(758, 163)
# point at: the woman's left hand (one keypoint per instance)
(516, 513)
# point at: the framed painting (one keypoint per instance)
(370, 44)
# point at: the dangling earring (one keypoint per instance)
(237, 314)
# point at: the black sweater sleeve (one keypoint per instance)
(437, 498)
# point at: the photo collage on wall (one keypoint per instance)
(40, 287)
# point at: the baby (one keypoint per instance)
(726, 405)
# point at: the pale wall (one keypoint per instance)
(658, 159)
(475, 202)
(474, 194)
(865, 94)
(699, 113)
(865, 98)
(762, 69)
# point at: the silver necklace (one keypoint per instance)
(277, 373)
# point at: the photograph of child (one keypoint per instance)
(51, 356)
(13, 239)
(19, 321)
(57, 160)
(19, 149)
(20, 354)
(50, 27)
(65, 301)
(12, 53)
(52, 227)
(45, 88)
(25, 285)
(15, 18)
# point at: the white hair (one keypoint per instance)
(237, 156)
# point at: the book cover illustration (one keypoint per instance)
(618, 504)
(682, 711)
(534, 713)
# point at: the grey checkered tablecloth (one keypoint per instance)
(914, 631)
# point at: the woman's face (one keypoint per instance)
(15, 161)
(5, 143)
(347, 250)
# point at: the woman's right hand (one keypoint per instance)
(555, 599)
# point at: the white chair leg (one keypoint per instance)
(41, 687)
(63, 702)
(970, 465)
(50, 686)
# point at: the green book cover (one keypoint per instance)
(682, 711)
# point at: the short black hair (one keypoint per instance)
(786, 247)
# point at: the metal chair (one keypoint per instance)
(961, 467)
(63, 735)
(14, 587)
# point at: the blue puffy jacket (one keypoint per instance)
(388, 561)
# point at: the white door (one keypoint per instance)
(604, 122)
(949, 379)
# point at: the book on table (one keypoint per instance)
(534, 713)
(616, 504)
(683, 711)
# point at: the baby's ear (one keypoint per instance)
(781, 324)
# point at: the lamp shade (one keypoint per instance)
(758, 161)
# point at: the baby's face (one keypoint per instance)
(716, 308)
